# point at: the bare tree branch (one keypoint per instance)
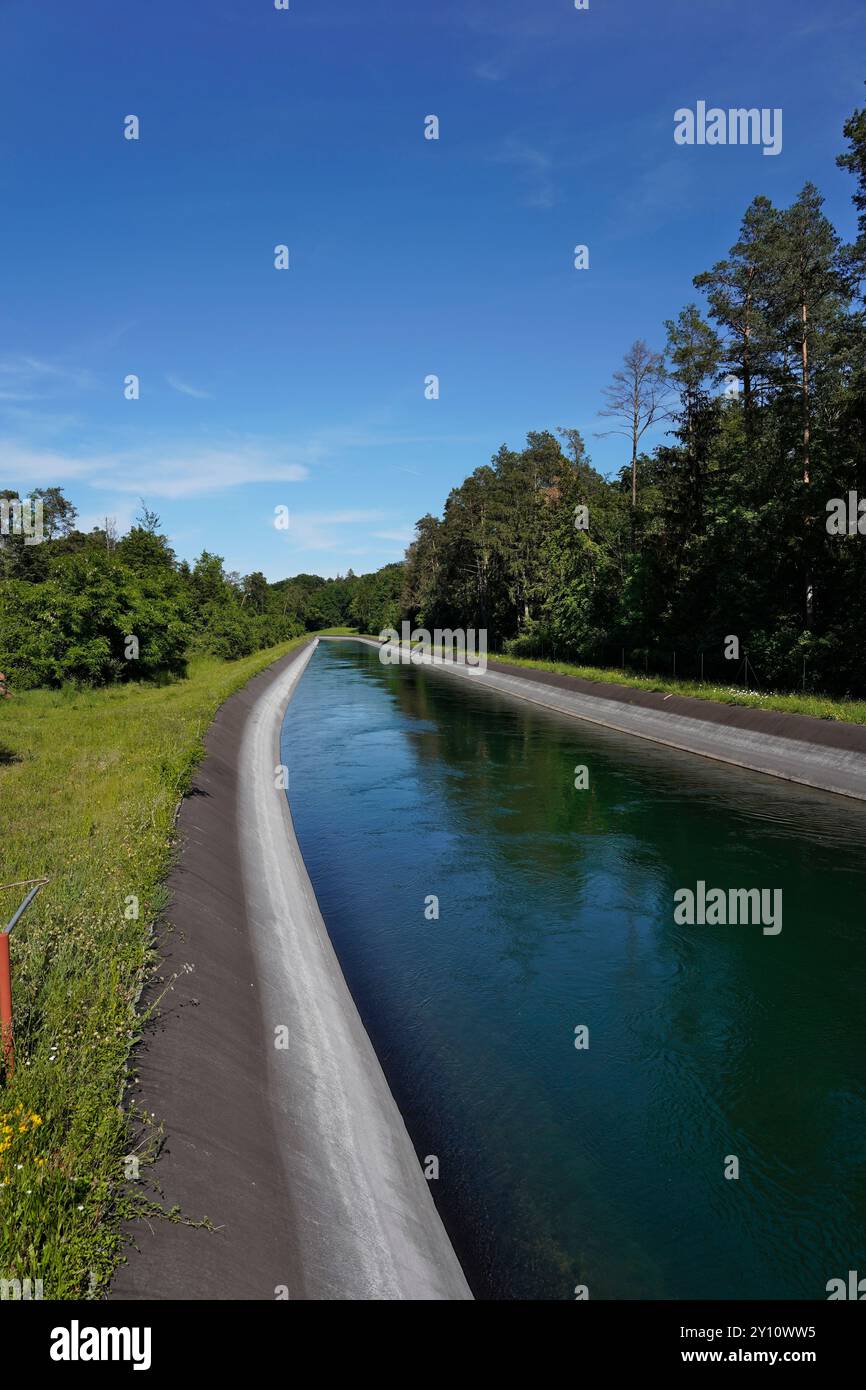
(638, 397)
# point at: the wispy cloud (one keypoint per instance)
(335, 438)
(196, 472)
(42, 421)
(403, 535)
(492, 70)
(20, 464)
(175, 472)
(508, 19)
(654, 198)
(345, 518)
(534, 170)
(24, 378)
(825, 23)
(319, 530)
(122, 513)
(186, 390)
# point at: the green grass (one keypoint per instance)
(89, 786)
(819, 706)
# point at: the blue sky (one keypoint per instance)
(305, 388)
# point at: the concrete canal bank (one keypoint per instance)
(280, 1126)
(825, 754)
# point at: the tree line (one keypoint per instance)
(723, 529)
(93, 608)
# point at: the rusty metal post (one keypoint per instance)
(7, 1049)
(7, 1044)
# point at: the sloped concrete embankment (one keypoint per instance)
(825, 754)
(297, 1154)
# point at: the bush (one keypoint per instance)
(77, 624)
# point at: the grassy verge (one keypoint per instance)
(819, 706)
(89, 785)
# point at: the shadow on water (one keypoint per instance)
(604, 1166)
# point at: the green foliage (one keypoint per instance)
(70, 605)
(75, 625)
(375, 601)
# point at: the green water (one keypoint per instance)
(602, 1167)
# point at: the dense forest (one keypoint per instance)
(731, 528)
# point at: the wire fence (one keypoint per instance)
(707, 666)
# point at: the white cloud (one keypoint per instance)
(315, 530)
(24, 378)
(186, 390)
(44, 467)
(194, 472)
(534, 169)
(123, 514)
(176, 472)
(344, 518)
(491, 70)
(653, 199)
(403, 535)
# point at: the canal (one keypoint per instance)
(603, 1165)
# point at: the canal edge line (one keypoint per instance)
(281, 1128)
(825, 756)
(384, 1237)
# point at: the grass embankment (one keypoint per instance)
(89, 786)
(818, 706)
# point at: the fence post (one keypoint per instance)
(7, 1046)
(8, 1051)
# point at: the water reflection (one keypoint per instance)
(604, 1167)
